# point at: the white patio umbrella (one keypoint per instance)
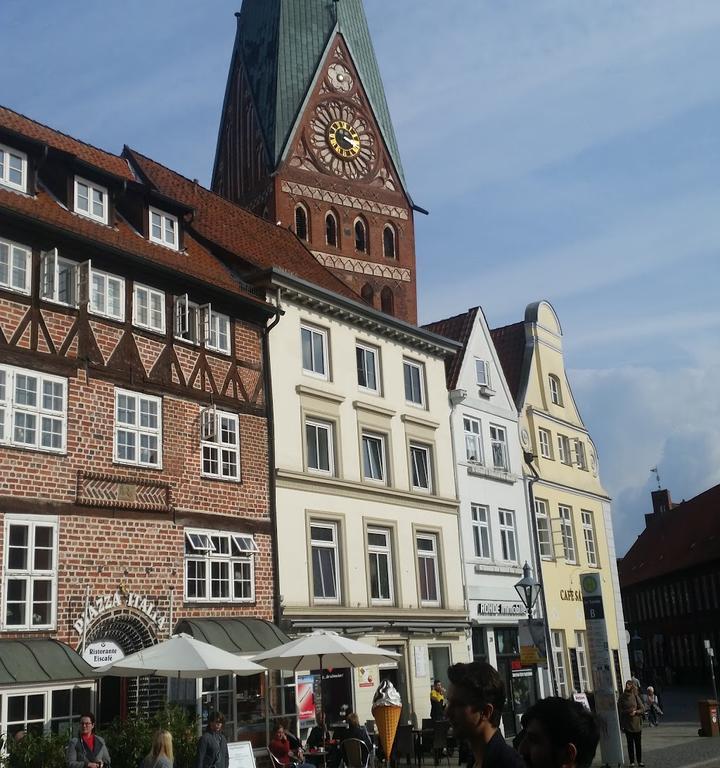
(322, 649)
(181, 656)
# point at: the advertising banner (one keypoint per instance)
(601, 665)
(533, 647)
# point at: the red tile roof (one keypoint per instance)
(688, 535)
(458, 328)
(105, 161)
(259, 243)
(510, 346)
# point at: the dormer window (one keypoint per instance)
(91, 200)
(164, 229)
(555, 391)
(13, 168)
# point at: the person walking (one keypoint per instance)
(652, 702)
(87, 749)
(212, 751)
(161, 755)
(630, 710)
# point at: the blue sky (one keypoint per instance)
(566, 149)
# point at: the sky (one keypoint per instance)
(566, 149)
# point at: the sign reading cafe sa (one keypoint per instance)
(105, 603)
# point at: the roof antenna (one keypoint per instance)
(657, 477)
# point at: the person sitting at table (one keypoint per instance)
(357, 731)
(280, 747)
(296, 746)
(318, 733)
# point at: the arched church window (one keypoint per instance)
(368, 294)
(361, 243)
(389, 242)
(331, 229)
(387, 301)
(301, 222)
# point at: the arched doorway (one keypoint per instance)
(117, 696)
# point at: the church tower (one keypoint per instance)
(306, 140)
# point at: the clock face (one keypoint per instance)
(343, 139)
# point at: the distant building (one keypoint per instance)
(670, 582)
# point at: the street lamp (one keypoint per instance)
(529, 589)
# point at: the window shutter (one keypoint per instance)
(182, 321)
(49, 274)
(84, 282)
(208, 424)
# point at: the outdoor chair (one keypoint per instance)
(355, 753)
(404, 744)
(440, 741)
(274, 762)
(426, 737)
(370, 726)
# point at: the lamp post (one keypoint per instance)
(529, 589)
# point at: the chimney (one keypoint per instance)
(662, 504)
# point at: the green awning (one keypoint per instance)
(40, 660)
(235, 635)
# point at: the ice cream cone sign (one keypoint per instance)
(386, 709)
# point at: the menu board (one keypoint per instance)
(241, 754)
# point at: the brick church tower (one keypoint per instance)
(306, 140)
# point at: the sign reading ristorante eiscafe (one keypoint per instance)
(104, 603)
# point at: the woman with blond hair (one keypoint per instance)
(161, 754)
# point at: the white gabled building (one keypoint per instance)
(496, 531)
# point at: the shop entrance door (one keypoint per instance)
(396, 674)
(520, 682)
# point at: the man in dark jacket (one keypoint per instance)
(475, 702)
(558, 732)
(212, 751)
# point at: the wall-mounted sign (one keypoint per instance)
(501, 608)
(104, 603)
(573, 595)
(102, 652)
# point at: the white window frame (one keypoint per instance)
(555, 392)
(568, 533)
(564, 449)
(544, 530)
(482, 373)
(48, 721)
(334, 547)
(545, 443)
(107, 280)
(322, 333)
(23, 254)
(368, 436)
(201, 547)
(412, 397)
(150, 293)
(580, 458)
(480, 516)
(218, 336)
(328, 427)
(165, 219)
(416, 451)
(51, 264)
(472, 431)
(428, 554)
(39, 414)
(560, 659)
(508, 535)
(498, 438)
(378, 551)
(368, 352)
(197, 324)
(92, 187)
(137, 430)
(582, 661)
(214, 448)
(30, 574)
(6, 152)
(588, 527)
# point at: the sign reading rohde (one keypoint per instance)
(102, 652)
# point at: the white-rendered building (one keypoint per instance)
(496, 531)
(367, 516)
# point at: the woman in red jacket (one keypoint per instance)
(280, 747)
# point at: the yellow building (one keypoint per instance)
(572, 509)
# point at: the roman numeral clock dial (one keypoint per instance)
(341, 140)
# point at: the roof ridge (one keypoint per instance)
(509, 325)
(60, 133)
(452, 317)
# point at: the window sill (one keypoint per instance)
(219, 602)
(303, 389)
(153, 467)
(484, 391)
(35, 449)
(493, 567)
(234, 480)
(503, 476)
(148, 329)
